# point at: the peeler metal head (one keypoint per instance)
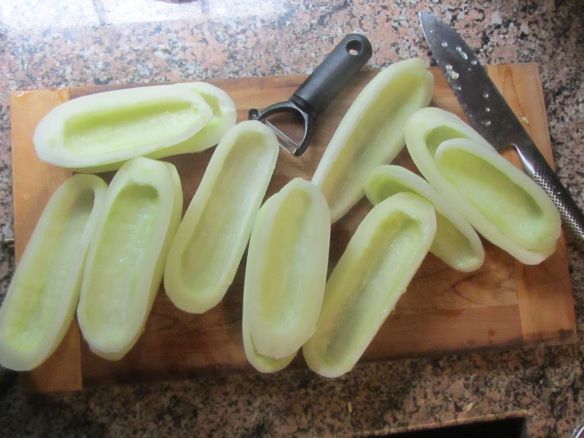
(289, 107)
(318, 90)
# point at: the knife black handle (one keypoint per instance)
(338, 68)
(540, 171)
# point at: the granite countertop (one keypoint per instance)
(57, 43)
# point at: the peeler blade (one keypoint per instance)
(318, 90)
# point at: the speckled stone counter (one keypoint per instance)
(56, 43)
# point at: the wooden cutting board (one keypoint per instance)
(503, 305)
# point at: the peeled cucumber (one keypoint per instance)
(379, 262)
(500, 201)
(262, 363)
(44, 290)
(223, 118)
(371, 132)
(126, 258)
(285, 274)
(456, 242)
(100, 132)
(212, 236)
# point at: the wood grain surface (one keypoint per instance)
(502, 305)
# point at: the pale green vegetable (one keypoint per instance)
(286, 272)
(44, 290)
(126, 257)
(379, 262)
(499, 200)
(101, 131)
(223, 119)
(211, 239)
(263, 364)
(371, 132)
(456, 242)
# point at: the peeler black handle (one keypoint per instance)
(327, 80)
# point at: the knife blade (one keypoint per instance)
(491, 116)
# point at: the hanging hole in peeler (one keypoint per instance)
(354, 47)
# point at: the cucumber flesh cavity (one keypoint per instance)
(91, 132)
(211, 239)
(501, 193)
(262, 363)
(223, 118)
(456, 242)
(371, 132)
(286, 270)
(44, 290)
(374, 271)
(125, 260)
(499, 200)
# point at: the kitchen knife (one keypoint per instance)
(491, 116)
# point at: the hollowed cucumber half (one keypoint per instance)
(379, 262)
(456, 242)
(126, 258)
(44, 290)
(371, 132)
(211, 239)
(285, 274)
(500, 201)
(99, 132)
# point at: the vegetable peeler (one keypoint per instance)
(318, 90)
